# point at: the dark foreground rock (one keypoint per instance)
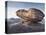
(15, 26)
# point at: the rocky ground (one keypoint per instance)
(15, 26)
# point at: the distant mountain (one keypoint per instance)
(12, 21)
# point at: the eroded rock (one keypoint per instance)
(32, 15)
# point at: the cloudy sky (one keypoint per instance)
(13, 6)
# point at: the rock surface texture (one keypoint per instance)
(33, 15)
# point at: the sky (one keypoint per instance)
(13, 6)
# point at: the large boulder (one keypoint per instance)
(32, 15)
